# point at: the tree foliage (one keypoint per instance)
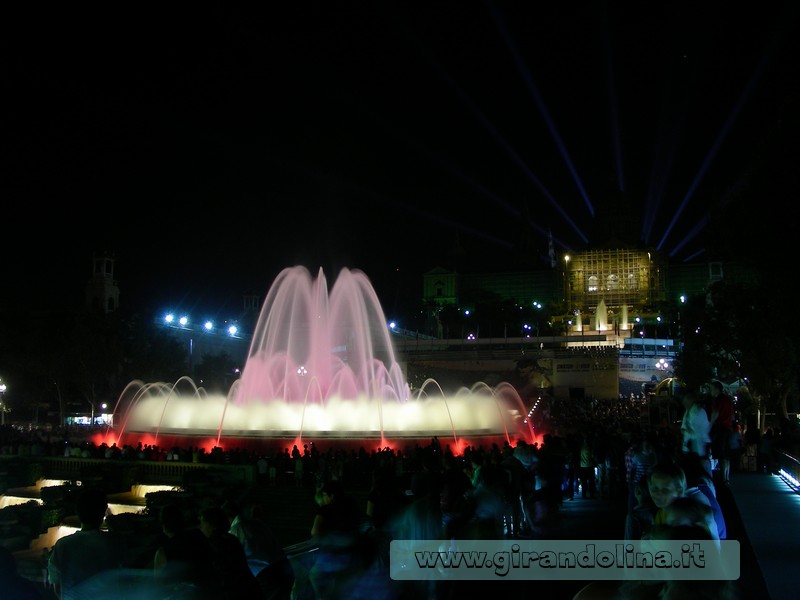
(736, 332)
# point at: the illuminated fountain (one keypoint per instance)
(320, 366)
(601, 316)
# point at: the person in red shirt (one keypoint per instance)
(722, 410)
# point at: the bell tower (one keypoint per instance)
(102, 292)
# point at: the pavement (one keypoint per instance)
(761, 511)
(767, 521)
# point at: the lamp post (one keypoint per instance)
(3, 389)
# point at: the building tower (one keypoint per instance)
(102, 291)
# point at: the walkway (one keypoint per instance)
(761, 511)
(769, 512)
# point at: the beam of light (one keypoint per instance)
(514, 156)
(479, 233)
(693, 256)
(512, 210)
(669, 133)
(737, 108)
(499, 138)
(448, 222)
(354, 187)
(454, 169)
(613, 106)
(537, 98)
(616, 142)
(663, 159)
(701, 224)
(698, 227)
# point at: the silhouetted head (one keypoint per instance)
(213, 521)
(91, 507)
(231, 509)
(171, 518)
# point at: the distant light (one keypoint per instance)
(392, 324)
(208, 325)
(471, 336)
(233, 330)
(169, 318)
(184, 321)
(467, 312)
(302, 371)
(683, 298)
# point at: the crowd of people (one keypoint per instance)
(667, 477)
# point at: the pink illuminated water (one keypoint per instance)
(321, 364)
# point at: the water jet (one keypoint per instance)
(321, 366)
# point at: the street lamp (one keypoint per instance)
(3, 389)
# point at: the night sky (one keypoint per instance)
(208, 148)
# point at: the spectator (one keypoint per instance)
(721, 428)
(700, 487)
(766, 452)
(638, 521)
(262, 465)
(12, 584)
(695, 427)
(665, 483)
(80, 556)
(233, 577)
(737, 447)
(182, 562)
(675, 589)
(264, 554)
(686, 511)
(586, 469)
(337, 528)
(642, 461)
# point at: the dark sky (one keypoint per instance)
(208, 148)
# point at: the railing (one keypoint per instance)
(789, 469)
(121, 474)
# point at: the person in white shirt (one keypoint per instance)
(696, 428)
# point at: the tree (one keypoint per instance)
(732, 333)
(94, 358)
